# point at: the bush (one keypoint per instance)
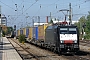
(87, 36)
(22, 38)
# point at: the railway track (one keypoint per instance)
(85, 42)
(85, 45)
(81, 55)
(28, 52)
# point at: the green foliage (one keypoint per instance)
(3, 33)
(87, 36)
(51, 21)
(88, 24)
(9, 29)
(81, 23)
(22, 38)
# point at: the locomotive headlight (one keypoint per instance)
(61, 41)
(75, 41)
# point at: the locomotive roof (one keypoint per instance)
(68, 26)
(56, 26)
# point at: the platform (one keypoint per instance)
(7, 51)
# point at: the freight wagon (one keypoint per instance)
(38, 33)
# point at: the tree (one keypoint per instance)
(51, 21)
(87, 28)
(81, 23)
(85, 24)
(9, 30)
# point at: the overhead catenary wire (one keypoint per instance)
(75, 5)
(81, 3)
(13, 2)
(7, 5)
(25, 10)
(46, 6)
(51, 4)
(31, 6)
(41, 6)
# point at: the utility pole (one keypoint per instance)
(33, 22)
(0, 27)
(33, 28)
(70, 14)
(38, 20)
(0, 24)
(50, 16)
(0, 11)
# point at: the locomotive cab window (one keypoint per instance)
(63, 31)
(72, 31)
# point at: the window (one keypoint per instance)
(72, 30)
(63, 30)
(68, 30)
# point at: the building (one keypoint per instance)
(67, 21)
(3, 20)
(36, 24)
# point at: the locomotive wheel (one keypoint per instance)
(59, 52)
(54, 50)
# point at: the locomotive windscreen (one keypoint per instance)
(68, 33)
(63, 30)
(72, 31)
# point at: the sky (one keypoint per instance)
(22, 12)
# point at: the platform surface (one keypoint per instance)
(7, 51)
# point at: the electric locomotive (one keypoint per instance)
(62, 38)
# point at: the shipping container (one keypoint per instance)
(27, 32)
(30, 33)
(35, 33)
(18, 32)
(41, 32)
(24, 31)
(21, 31)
